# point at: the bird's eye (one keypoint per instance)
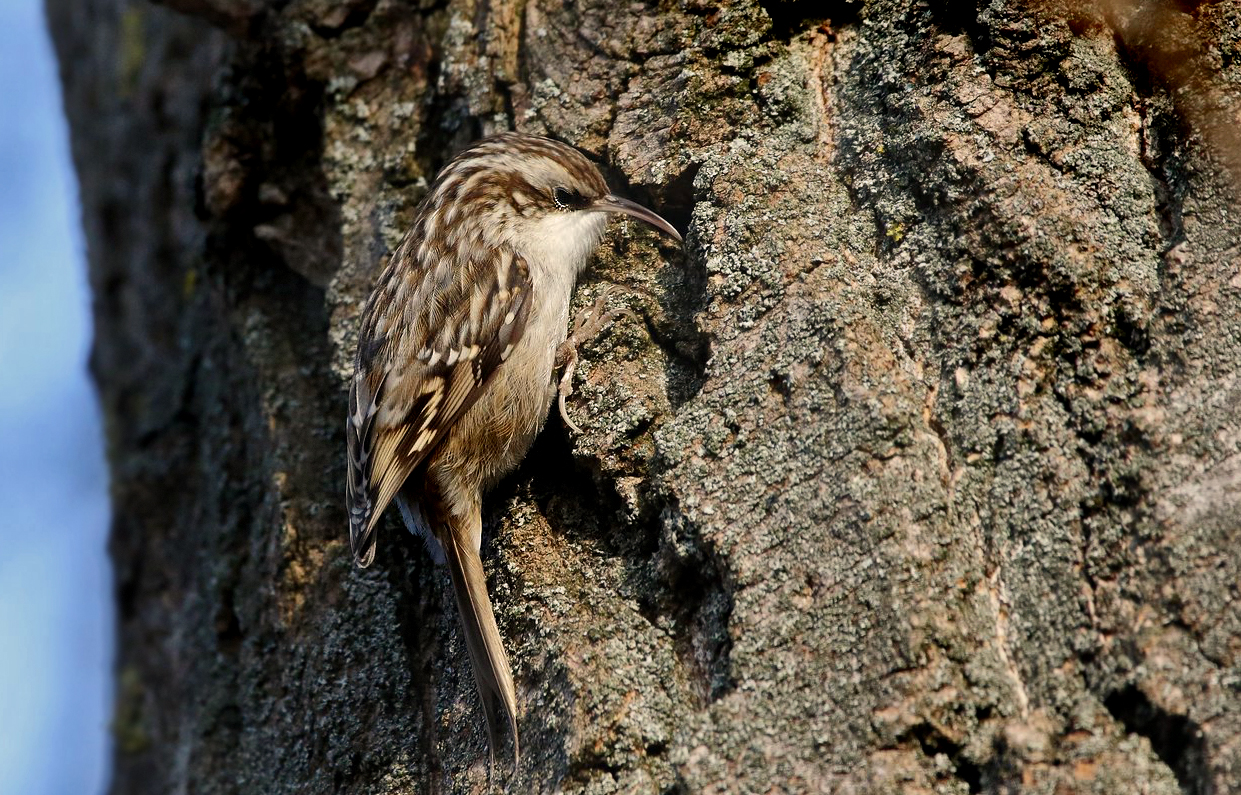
(568, 199)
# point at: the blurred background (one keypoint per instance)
(56, 614)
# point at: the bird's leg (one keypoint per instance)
(588, 324)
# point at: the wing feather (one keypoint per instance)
(404, 397)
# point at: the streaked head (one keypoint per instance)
(533, 186)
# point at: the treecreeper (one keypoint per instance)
(458, 347)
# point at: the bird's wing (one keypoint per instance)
(420, 366)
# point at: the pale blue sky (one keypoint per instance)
(56, 616)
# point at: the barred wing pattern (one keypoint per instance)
(408, 391)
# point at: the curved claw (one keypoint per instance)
(588, 324)
(564, 415)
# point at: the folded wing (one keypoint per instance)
(409, 389)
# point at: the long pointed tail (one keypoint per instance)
(482, 637)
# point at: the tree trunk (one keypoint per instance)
(921, 473)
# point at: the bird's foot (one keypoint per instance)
(589, 323)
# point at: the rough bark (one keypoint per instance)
(922, 474)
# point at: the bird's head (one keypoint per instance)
(536, 194)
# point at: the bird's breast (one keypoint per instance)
(490, 440)
(509, 414)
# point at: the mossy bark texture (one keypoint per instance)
(920, 471)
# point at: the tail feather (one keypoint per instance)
(482, 637)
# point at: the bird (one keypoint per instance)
(457, 350)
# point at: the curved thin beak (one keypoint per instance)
(615, 204)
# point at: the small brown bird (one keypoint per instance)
(454, 373)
